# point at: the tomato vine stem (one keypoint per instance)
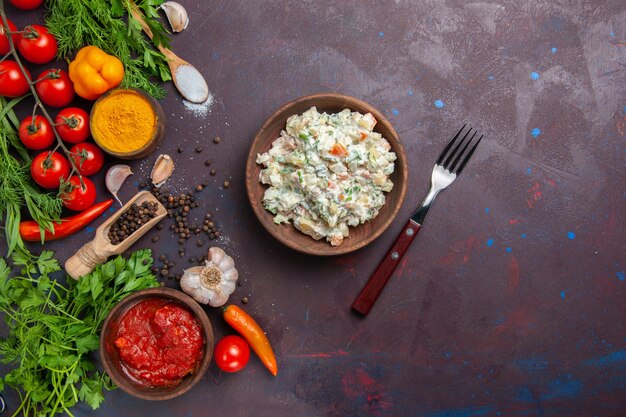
(38, 102)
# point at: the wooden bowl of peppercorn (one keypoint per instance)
(117, 233)
(173, 331)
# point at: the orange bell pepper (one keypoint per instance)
(95, 72)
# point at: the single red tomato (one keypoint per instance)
(5, 47)
(55, 88)
(12, 80)
(232, 353)
(37, 133)
(26, 4)
(77, 196)
(72, 124)
(48, 168)
(37, 45)
(87, 157)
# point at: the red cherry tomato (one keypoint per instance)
(232, 353)
(26, 4)
(72, 124)
(37, 133)
(4, 40)
(12, 81)
(48, 168)
(79, 197)
(55, 88)
(87, 157)
(37, 45)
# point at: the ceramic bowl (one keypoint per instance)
(150, 145)
(110, 356)
(360, 235)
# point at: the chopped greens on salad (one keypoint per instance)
(327, 172)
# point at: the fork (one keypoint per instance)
(447, 168)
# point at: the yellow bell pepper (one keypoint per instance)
(95, 72)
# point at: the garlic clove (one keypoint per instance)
(216, 255)
(219, 299)
(115, 177)
(230, 275)
(162, 169)
(176, 15)
(228, 287)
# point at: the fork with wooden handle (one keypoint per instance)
(447, 168)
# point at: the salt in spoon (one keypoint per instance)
(187, 79)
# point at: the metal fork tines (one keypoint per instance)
(449, 165)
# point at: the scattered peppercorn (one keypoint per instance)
(212, 172)
(199, 149)
(207, 162)
(200, 242)
(199, 187)
(179, 150)
(244, 300)
(226, 184)
(217, 139)
(155, 239)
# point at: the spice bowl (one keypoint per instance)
(118, 370)
(127, 123)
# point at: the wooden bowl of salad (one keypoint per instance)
(329, 180)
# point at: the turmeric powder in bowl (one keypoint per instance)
(127, 123)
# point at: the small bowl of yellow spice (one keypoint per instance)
(127, 123)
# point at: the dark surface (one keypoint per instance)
(511, 301)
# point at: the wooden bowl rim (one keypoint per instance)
(401, 160)
(158, 132)
(122, 307)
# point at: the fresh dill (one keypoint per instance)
(17, 189)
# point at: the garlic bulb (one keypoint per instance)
(212, 283)
(176, 15)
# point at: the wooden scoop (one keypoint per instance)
(100, 248)
(187, 79)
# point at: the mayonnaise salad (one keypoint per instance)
(327, 172)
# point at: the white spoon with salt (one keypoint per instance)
(187, 79)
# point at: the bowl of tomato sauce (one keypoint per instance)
(156, 344)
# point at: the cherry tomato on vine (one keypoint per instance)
(48, 168)
(232, 353)
(37, 45)
(26, 4)
(12, 80)
(54, 88)
(77, 196)
(72, 124)
(4, 40)
(87, 157)
(37, 133)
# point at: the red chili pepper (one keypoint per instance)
(252, 332)
(30, 232)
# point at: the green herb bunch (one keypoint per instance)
(109, 25)
(53, 327)
(17, 188)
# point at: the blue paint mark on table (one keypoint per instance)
(535, 132)
(439, 104)
(534, 76)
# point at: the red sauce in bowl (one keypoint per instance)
(159, 342)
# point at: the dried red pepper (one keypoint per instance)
(30, 232)
(254, 335)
